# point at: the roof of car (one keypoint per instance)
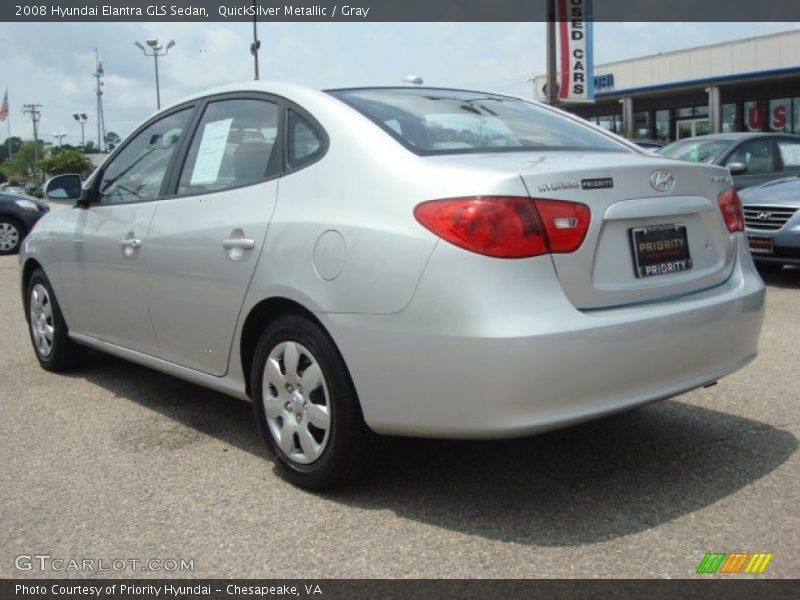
(739, 135)
(292, 90)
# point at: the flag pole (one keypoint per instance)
(8, 118)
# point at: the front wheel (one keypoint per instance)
(11, 235)
(306, 407)
(48, 330)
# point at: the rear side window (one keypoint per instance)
(432, 121)
(234, 145)
(305, 144)
(790, 153)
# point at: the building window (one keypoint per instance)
(754, 114)
(662, 125)
(780, 115)
(691, 112)
(611, 122)
(729, 118)
(796, 115)
(640, 125)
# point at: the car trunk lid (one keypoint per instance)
(634, 199)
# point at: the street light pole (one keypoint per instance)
(59, 137)
(81, 118)
(254, 47)
(158, 86)
(157, 50)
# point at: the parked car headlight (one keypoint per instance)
(27, 205)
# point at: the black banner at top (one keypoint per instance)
(389, 10)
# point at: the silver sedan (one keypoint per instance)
(405, 261)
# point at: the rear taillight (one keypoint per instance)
(507, 226)
(731, 208)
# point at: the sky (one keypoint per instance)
(53, 63)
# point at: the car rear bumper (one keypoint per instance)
(497, 367)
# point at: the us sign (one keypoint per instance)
(575, 45)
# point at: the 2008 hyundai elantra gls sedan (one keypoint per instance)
(405, 261)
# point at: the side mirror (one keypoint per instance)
(736, 168)
(63, 189)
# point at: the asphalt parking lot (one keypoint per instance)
(117, 461)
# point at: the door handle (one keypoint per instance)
(243, 243)
(130, 243)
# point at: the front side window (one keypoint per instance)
(756, 155)
(234, 145)
(434, 121)
(137, 172)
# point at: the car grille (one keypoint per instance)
(770, 218)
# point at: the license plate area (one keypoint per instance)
(760, 244)
(660, 250)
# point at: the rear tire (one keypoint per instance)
(306, 406)
(47, 328)
(11, 235)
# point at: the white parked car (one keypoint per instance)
(409, 261)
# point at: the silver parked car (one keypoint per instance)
(772, 222)
(752, 158)
(409, 261)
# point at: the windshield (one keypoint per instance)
(695, 150)
(429, 121)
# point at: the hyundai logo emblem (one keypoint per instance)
(764, 216)
(662, 181)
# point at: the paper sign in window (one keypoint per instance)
(212, 149)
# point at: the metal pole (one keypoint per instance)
(8, 118)
(552, 92)
(158, 91)
(256, 44)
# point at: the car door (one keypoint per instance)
(102, 268)
(758, 155)
(204, 241)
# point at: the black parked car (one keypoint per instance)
(18, 215)
(752, 158)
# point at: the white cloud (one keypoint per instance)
(53, 63)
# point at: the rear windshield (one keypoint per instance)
(695, 150)
(431, 121)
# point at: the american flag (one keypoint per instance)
(4, 108)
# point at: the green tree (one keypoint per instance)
(23, 164)
(66, 161)
(15, 144)
(111, 140)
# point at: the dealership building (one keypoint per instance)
(745, 85)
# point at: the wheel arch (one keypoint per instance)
(260, 317)
(30, 266)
